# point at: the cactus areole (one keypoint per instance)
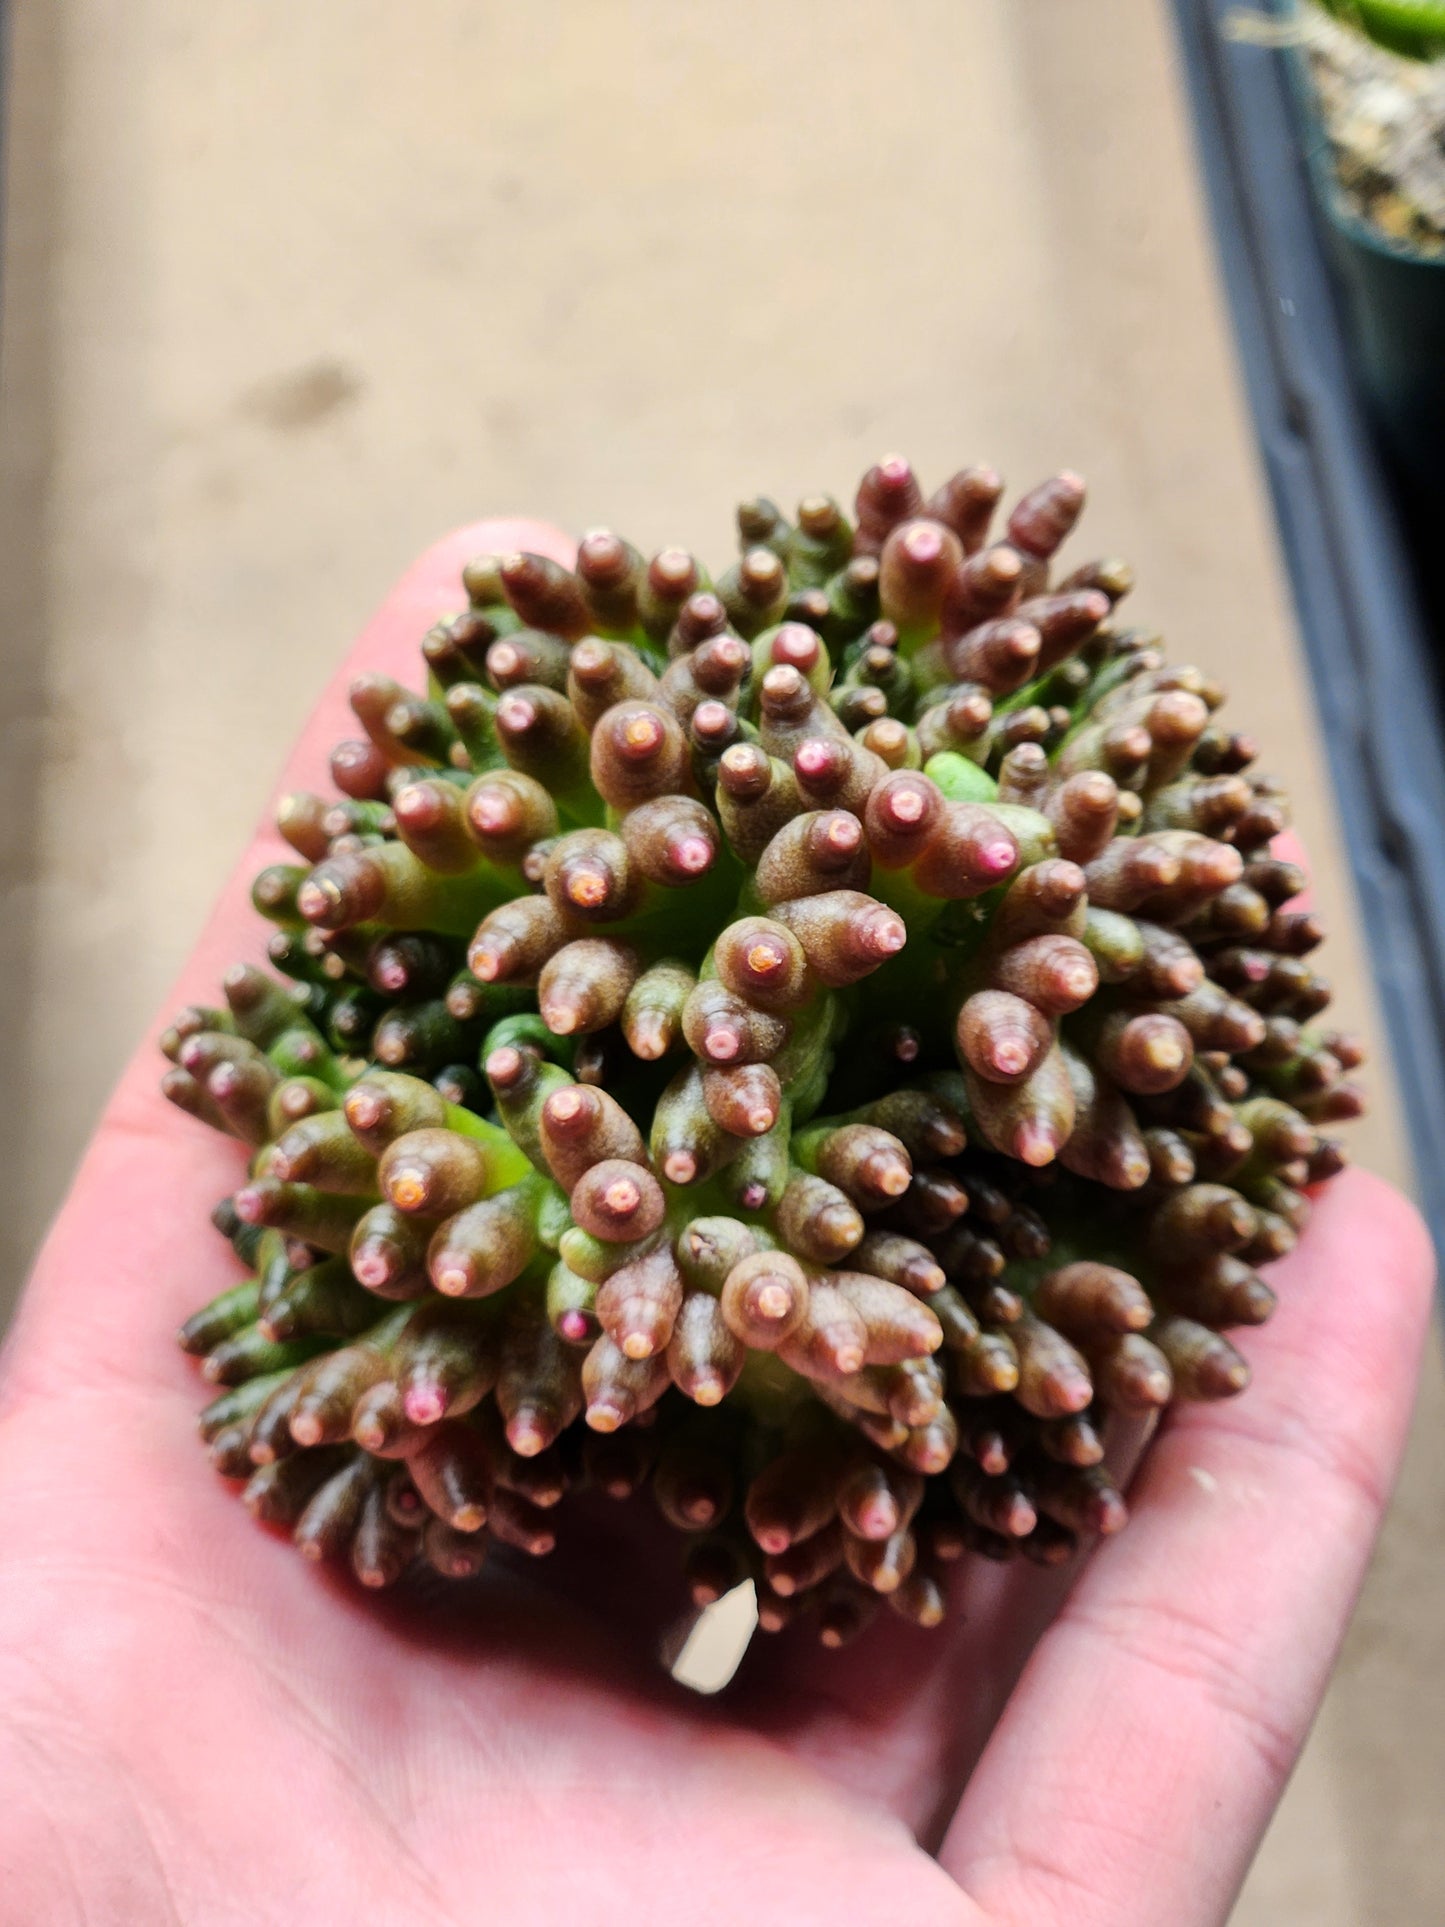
(807, 1051)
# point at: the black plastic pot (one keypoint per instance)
(1341, 530)
(1394, 300)
(1397, 324)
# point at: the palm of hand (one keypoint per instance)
(203, 1728)
(207, 1728)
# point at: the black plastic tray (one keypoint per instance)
(1341, 527)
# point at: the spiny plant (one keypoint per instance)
(815, 1047)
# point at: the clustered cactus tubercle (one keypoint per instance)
(813, 1047)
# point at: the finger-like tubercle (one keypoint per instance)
(144, 1155)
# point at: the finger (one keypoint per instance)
(1137, 1765)
(131, 1251)
(1288, 848)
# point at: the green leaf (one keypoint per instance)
(1412, 27)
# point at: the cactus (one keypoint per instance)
(818, 1048)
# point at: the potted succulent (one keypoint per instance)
(1371, 92)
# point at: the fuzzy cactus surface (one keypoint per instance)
(808, 1051)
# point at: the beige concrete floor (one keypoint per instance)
(289, 290)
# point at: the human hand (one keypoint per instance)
(201, 1727)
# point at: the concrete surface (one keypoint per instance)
(289, 290)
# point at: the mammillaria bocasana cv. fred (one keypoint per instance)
(810, 1048)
